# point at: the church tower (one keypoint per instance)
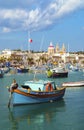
(57, 49)
(63, 48)
(51, 49)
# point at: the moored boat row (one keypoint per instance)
(40, 91)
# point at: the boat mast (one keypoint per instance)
(68, 49)
(41, 43)
(28, 41)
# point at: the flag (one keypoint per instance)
(30, 40)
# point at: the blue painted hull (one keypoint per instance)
(39, 97)
(22, 70)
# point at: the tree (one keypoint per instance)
(30, 61)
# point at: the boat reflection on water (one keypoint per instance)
(38, 113)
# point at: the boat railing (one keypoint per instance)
(39, 91)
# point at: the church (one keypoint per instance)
(57, 49)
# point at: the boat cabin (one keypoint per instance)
(39, 85)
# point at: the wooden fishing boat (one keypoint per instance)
(36, 91)
(73, 84)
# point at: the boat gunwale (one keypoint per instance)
(40, 94)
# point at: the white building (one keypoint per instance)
(6, 53)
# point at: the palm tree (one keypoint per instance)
(30, 61)
(2, 59)
(43, 59)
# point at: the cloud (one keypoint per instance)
(69, 6)
(36, 15)
(5, 29)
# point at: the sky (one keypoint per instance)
(44, 21)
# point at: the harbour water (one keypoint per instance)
(66, 114)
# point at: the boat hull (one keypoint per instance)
(73, 84)
(22, 70)
(21, 98)
(57, 75)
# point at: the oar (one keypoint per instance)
(10, 96)
(9, 103)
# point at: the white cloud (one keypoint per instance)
(37, 18)
(69, 6)
(5, 29)
(13, 14)
(34, 15)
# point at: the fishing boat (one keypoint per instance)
(57, 73)
(22, 69)
(73, 84)
(36, 91)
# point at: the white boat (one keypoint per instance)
(57, 72)
(73, 84)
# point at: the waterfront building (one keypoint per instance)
(53, 55)
(51, 49)
(6, 53)
(60, 50)
(57, 49)
(60, 54)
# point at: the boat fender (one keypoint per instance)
(49, 87)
